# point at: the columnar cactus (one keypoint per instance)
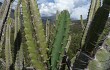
(34, 55)
(47, 31)
(82, 23)
(17, 19)
(95, 4)
(8, 54)
(60, 40)
(39, 31)
(5, 15)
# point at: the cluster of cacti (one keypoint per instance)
(28, 44)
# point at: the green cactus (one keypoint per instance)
(2, 41)
(53, 32)
(82, 23)
(68, 44)
(8, 46)
(35, 59)
(60, 40)
(47, 30)
(17, 20)
(8, 55)
(4, 18)
(39, 31)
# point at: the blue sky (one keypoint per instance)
(75, 7)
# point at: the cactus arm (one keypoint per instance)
(61, 39)
(53, 31)
(103, 36)
(64, 61)
(39, 31)
(17, 19)
(82, 23)
(47, 30)
(30, 41)
(68, 44)
(8, 54)
(93, 8)
(66, 36)
(56, 48)
(4, 18)
(2, 41)
(98, 4)
(93, 32)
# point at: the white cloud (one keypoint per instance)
(48, 9)
(61, 5)
(75, 7)
(83, 10)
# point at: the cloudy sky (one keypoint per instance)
(75, 7)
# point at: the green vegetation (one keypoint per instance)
(28, 44)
